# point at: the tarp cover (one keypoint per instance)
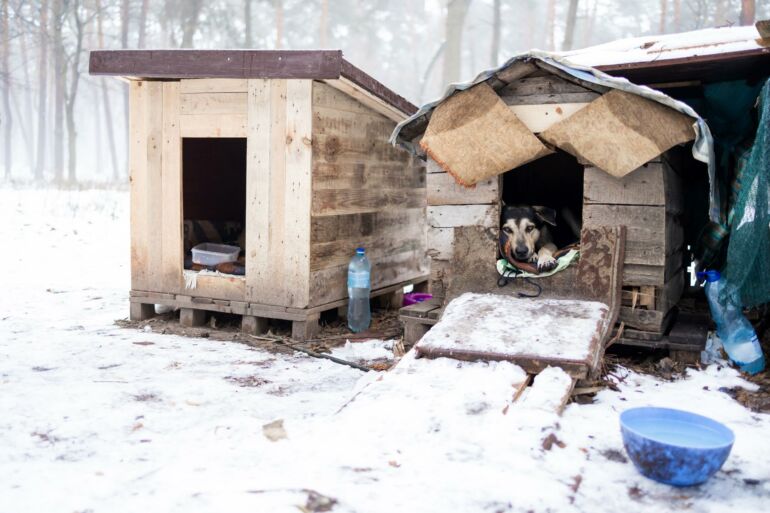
(748, 253)
(703, 147)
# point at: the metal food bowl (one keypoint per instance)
(674, 446)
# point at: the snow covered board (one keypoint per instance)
(532, 333)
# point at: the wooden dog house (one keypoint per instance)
(292, 146)
(647, 201)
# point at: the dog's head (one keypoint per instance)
(523, 225)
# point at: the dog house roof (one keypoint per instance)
(407, 133)
(278, 64)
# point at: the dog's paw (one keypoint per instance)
(546, 263)
(533, 259)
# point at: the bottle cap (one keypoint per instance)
(709, 276)
(360, 251)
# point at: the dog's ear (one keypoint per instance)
(545, 214)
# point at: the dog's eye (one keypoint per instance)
(507, 230)
(530, 228)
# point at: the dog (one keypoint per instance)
(527, 229)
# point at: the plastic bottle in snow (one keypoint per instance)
(359, 286)
(737, 334)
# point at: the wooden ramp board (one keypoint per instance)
(532, 333)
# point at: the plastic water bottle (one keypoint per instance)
(737, 334)
(359, 286)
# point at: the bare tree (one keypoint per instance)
(79, 21)
(569, 31)
(5, 82)
(60, 71)
(26, 119)
(677, 15)
(662, 23)
(323, 24)
(550, 25)
(106, 96)
(42, 90)
(248, 41)
(748, 12)
(495, 49)
(142, 24)
(719, 13)
(191, 10)
(588, 33)
(455, 19)
(278, 6)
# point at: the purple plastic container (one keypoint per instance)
(412, 298)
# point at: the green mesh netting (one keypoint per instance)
(748, 253)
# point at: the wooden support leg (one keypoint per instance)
(414, 331)
(390, 301)
(190, 317)
(141, 311)
(304, 330)
(252, 325)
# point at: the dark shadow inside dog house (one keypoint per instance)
(554, 181)
(213, 194)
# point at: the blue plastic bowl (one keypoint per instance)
(674, 446)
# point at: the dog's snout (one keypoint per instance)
(521, 252)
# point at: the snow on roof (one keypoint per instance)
(712, 41)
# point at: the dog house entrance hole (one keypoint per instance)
(554, 181)
(214, 195)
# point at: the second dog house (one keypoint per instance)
(284, 153)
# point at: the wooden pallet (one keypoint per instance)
(255, 317)
(684, 342)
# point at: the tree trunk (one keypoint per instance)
(569, 31)
(323, 25)
(677, 15)
(42, 103)
(550, 23)
(191, 12)
(106, 97)
(588, 34)
(27, 93)
(125, 23)
(494, 54)
(141, 43)
(455, 19)
(662, 24)
(5, 82)
(278, 6)
(125, 18)
(719, 14)
(248, 42)
(530, 20)
(60, 71)
(72, 94)
(748, 12)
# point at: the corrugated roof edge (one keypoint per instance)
(299, 64)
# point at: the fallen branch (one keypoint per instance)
(283, 342)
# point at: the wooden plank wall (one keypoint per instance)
(450, 206)
(365, 193)
(649, 202)
(156, 187)
(278, 192)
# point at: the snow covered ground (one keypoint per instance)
(96, 418)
